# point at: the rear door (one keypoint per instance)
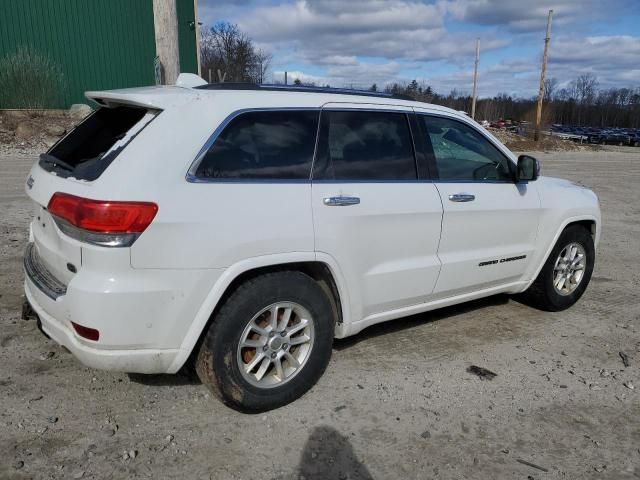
(490, 222)
(372, 213)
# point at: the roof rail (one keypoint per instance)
(301, 88)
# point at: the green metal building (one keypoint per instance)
(97, 44)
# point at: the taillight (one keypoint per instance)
(101, 222)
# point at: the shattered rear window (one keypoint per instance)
(91, 147)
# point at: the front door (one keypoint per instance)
(370, 212)
(490, 222)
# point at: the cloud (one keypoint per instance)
(603, 51)
(360, 75)
(359, 42)
(521, 16)
(288, 20)
(394, 30)
(612, 59)
(292, 76)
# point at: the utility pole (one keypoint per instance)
(536, 134)
(165, 21)
(475, 80)
(285, 78)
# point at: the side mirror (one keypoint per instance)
(528, 169)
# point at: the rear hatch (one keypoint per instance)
(72, 167)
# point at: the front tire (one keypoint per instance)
(269, 343)
(566, 273)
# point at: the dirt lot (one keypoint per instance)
(547, 143)
(396, 401)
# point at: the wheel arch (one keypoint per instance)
(325, 274)
(590, 222)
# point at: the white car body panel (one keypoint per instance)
(404, 249)
(386, 246)
(500, 224)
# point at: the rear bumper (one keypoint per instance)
(140, 361)
(142, 315)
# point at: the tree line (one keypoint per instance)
(229, 55)
(581, 102)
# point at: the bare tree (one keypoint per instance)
(231, 55)
(586, 88)
(550, 85)
(260, 66)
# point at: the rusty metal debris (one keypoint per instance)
(625, 358)
(532, 465)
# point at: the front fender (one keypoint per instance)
(562, 203)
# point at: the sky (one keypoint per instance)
(359, 42)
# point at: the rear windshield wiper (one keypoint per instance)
(47, 159)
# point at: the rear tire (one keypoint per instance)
(267, 313)
(549, 292)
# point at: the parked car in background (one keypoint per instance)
(604, 136)
(243, 228)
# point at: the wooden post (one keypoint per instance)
(165, 21)
(536, 134)
(475, 80)
(210, 76)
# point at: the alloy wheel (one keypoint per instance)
(275, 344)
(569, 268)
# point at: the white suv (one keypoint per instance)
(242, 228)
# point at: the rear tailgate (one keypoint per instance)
(73, 166)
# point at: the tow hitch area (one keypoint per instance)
(27, 311)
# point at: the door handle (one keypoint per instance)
(341, 201)
(462, 197)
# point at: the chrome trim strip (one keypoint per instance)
(95, 238)
(194, 179)
(40, 276)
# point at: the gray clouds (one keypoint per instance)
(364, 41)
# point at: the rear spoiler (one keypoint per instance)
(157, 97)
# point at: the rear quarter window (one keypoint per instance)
(263, 145)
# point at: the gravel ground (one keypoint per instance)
(396, 401)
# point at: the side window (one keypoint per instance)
(364, 145)
(463, 154)
(263, 145)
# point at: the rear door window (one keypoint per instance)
(91, 147)
(265, 145)
(364, 146)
